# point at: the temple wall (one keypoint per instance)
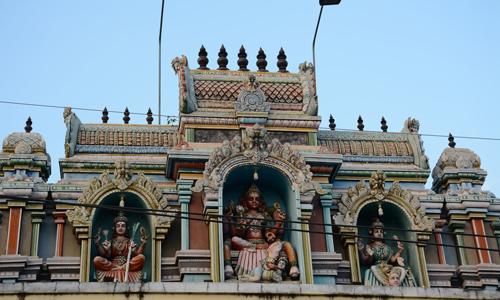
(469, 241)
(198, 231)
(172, 242)
(4, 229)
(318, 243)
(25, 235)
(492, 243)
(70, 245)
(221, 291)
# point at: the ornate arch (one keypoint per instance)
(358, 196)
(256, 151)
(144, 187)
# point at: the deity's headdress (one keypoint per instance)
(121, 218)
(375, 224)
(121, 215)
(253, 189)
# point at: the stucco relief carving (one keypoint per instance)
(103, 185)
(357, 196)
(251, 97)
(255, 148)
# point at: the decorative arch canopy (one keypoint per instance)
(358, 196)
(142, 186)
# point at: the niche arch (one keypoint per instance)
(143, 193)
(360, 204)
(236, 157)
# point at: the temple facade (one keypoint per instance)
(244, 197)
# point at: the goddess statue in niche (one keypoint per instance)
(386, 267)
(119, 258)
(259, 244)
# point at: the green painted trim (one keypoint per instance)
(35, 231)
(458, 227)
(313, 138)
(189, 135)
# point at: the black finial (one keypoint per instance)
(203, 60)
(105, 117)
(332, 123)
(150, 116)
(126, 118)
(261, 61)
(282, 63)
(360, 124)
(28, 127)
(384, 125)
(242, 60)
(222, 61)
(452, 141)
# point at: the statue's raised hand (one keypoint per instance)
(133, 246)
(106, 245)
(360, 245)
(96, 238)
(369, 250)
(144, 239)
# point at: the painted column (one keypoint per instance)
(306, 238)
(184, 191)
(458, 228)
(439, 240)
(36, 220)
(496, 231)
(59, 217)
(213, 233)
(14, 232)
(326, 203)
(424, 238)
(349, 242)
(481, 242)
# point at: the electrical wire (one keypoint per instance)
(78, 108)
(422, 134)
(325, 128)
(211, 216)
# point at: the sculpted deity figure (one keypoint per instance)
(385, 265)
(252, 234)
(114, 254)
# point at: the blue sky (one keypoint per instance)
(436, 61)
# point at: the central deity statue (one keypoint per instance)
(257, 232)
(386, 266)
(120, 253)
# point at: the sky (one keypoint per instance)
(435, 61)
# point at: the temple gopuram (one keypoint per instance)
(245, 198)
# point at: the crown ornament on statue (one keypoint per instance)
(253, 189)
(121, 218)
(376, 223)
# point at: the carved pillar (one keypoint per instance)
(424, 238)
(307, 274)
(82, 233)
(351, 247)
(458, 228)
(326, 203)
(439, 240)
(59, 216)
(481, 242)
(211, 202)
(36, 219)
(184, 191)
(14, 232)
